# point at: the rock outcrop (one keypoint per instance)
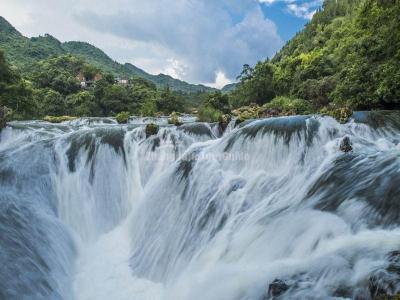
(174, 119)
(345, 145)
(223, 122)
(276, 289)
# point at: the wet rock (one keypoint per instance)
(343, 292)
(174, 119)
(384, 283)
(201, 129)
(345, 145)
(151, 129)
(276, 289)
(223, 122)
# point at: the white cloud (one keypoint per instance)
(189, 39)
(220, 80)
(268, 1)
(300, 8)
(304, 10)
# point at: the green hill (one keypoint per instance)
(229, 88)
(23, 52)
(347, 55)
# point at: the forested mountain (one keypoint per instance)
(24, 52)
(347, 55)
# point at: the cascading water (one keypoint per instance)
(95, 210)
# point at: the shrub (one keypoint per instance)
(289, 106)
(151, 129)
(148, 109)
(58, 119)
(123, 117)
(341, 114)
(209, 114)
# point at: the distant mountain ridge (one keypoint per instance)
(23, 52)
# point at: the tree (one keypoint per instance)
(82, 104)
(50, 102)
(218, 101)
(115, 99)
(256, 85)
(169, 102)
(15, 93)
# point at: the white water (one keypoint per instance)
(147, 222)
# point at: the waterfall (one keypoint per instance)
(90, 209)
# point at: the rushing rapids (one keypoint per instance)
(90, 209)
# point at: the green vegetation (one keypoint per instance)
(151, 129)
(123, 117)
(58, 119)
(52, 88)
(15, 93)
(209, 114)
(214, 106)
(347, 57)
(24, 52)
(288, 106)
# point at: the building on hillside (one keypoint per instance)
(87, 81)
(121, 81)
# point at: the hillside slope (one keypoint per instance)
(23, 52)
(348, 54)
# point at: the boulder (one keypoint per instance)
(223, 122)
(276, 288)
(151, 129)
(174, 119)
(345, 145)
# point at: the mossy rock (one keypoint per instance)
(240, 119)
(224, 119)
(58, 119)
(223, 122)
(251, 109)
(174, 119)
(341, 114)
(247, 115)
(151, 129)
(123, 117)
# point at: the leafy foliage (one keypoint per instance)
(289, 106)
(25, 52)
(209, 114)
(347, 55)
(123, 117)
(15, 93)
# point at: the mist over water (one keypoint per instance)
(90, 209)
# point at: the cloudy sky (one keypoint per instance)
(200, 41)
